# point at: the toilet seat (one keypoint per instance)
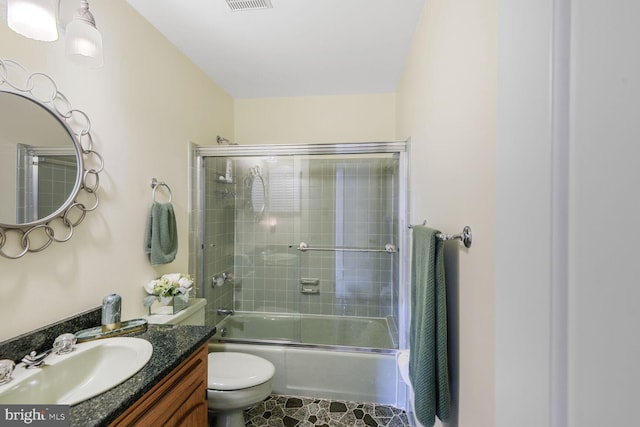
(235, 371)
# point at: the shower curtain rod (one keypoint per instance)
(465, 236)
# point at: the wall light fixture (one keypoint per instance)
(83, 41)
(35, 19)
(41, 19)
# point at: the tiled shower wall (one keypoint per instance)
(56, 177)
(55, 183)
(347, 202)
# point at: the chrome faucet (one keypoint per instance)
(225, 312)
(63, 344)
(35, 360)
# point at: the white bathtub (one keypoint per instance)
(325, 369)
(314, 329)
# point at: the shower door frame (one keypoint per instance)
(198, 153)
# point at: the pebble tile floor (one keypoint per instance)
(290, 411)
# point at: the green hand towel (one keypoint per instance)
(161, 234)
(428, 359)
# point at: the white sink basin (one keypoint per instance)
(90, 369)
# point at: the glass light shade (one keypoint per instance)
(35, 19)
(84, 43)
(66, 11)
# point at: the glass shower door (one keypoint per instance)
(260, 210)
(218, 244)
(267, 221)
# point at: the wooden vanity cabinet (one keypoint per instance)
(180, 399)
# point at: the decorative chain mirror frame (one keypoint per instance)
(38, 235)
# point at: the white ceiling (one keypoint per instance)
(297, 48)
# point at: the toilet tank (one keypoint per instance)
(192, 315)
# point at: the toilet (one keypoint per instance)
(236, 381)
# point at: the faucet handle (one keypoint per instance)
(6, 369)
(64, 343)
(34, 360)
(221, 279)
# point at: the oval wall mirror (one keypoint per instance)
(38, 162)
(46, 183)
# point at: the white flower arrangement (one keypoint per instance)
(174, 285)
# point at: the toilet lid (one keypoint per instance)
(233, 371)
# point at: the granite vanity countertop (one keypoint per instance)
(172, 344)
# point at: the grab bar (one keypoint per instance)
(388, 248)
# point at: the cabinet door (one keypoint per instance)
(192, 413)
(178, 400)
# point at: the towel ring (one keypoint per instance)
(155, 184)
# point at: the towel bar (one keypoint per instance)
(466, 236)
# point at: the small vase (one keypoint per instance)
(173, 304)
(179, 304)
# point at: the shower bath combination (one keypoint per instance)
(314, 237)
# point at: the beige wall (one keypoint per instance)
(319, 119)
(145, 105)
(446, 104)
(527, 235)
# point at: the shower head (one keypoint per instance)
(221, 140)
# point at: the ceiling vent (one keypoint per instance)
(238, 5)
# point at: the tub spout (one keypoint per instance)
(225, 312)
